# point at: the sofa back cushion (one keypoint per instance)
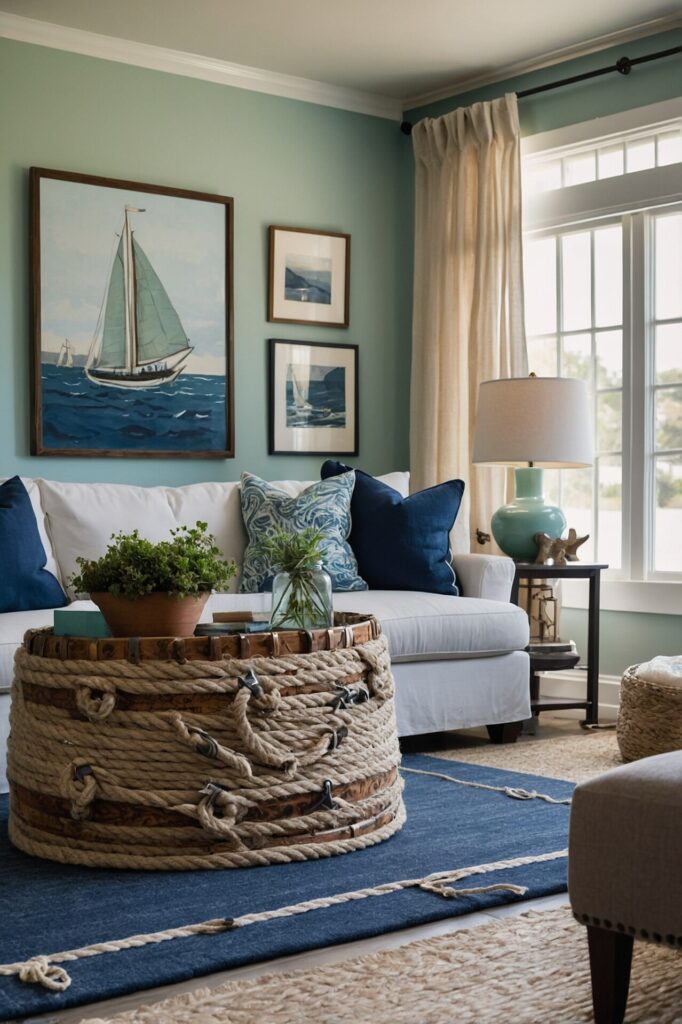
(82, 517)
(78, 519)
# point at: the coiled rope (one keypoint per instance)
(221, 764)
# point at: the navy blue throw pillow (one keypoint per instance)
(402, 543)
(25, 584)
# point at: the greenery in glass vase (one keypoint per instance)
(301, 602)
(189, 563)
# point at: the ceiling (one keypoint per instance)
(403, 49)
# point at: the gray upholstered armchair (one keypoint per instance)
(625, 870)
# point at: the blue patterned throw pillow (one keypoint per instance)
(324, 506)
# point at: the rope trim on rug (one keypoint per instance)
(43, 970)
(512, 791)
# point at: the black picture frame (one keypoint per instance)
(313, 413)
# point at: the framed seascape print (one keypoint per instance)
(309, 277)
(132, 319)
(313, 398)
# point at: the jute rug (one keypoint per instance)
(528, 970)
(578, 756)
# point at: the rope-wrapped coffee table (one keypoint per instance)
(210, 752)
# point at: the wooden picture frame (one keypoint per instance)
(309, 280)
(132, 319)
(313, 398)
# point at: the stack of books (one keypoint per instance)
(552, 647)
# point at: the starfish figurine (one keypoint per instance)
(573, 542)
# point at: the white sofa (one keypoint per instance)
(459, 662)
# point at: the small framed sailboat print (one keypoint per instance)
(313, 398)
(132, 319)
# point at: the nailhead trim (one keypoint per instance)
(641, 933)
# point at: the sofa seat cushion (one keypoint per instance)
(13, 625)
(419, 626)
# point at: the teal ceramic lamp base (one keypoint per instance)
(515, 524)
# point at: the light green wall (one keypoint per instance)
(283, 161)
(626, 637)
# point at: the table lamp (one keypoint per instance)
(536, 423)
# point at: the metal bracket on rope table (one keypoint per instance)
(250, 681)
(345, 696)
(209, 747)
(326, 801)
(337, 737)
(212, 790)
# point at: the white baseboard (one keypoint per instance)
(573, 684)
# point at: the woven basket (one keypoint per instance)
(649, 717)
(208, 752)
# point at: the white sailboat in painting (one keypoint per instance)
(65, 357)
(139, 341)
(300, 390)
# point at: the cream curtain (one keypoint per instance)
(468, 296)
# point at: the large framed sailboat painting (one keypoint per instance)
(132, 319)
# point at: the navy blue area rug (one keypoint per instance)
(47, 908)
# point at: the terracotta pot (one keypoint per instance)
(157, 614)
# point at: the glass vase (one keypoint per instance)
(302, 600)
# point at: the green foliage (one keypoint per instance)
(189, 563)
(293, 552)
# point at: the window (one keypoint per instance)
(629, 152)
(603, 290)
(666, 345)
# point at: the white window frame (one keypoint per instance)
(630, 194)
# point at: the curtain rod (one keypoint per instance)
(623, 66)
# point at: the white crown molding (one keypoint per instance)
(192, 65)
(622, 36)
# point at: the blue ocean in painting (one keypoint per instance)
(311, 286)
(185, 416)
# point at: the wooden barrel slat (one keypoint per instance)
(78, 830)
(356, 628)
(115, 812)
(200, 703)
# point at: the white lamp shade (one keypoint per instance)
(543, 420)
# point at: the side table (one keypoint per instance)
(554, 662)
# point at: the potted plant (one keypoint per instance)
(301, 590)
(147, 589)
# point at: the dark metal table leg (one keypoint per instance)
(592, 717)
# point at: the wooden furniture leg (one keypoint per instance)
(610, 960)
(504, 732)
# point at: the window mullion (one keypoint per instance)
(637, 433)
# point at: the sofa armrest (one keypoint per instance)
(488, 576)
